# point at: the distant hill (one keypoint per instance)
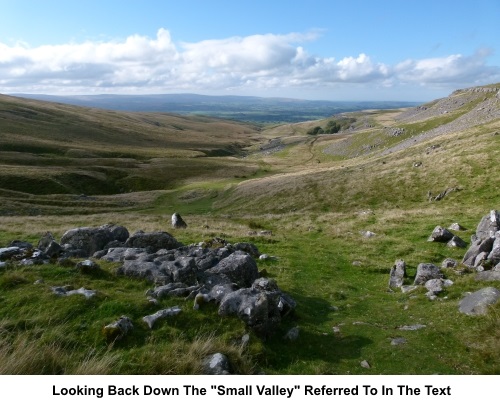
(241, 108)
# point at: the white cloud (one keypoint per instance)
(153, 65)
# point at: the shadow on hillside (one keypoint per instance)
(315, 343)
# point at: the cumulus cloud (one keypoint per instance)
(449, 69)
(141, 64)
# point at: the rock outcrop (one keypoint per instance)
(213, 271)
(485, 246)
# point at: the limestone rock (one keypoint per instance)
(8, 252)
(261, 306)
(65, 291)
(239, 268)
(365, 364)
(398, 341)
(88, 267)
(477, 247)
(216, 364)
(477, 303)
(54, 249)
(152, 241)
(164, 313)
(456, 242)
(121, 254)
(118, 329)
(427, 271)
(247, 247)
(84, 242)
(45, 241)
(440, 234)
(397, 274)
(488, 225)
(494, 255)
(456, 227)
(178, 222)
(435, 285)
(449, 263)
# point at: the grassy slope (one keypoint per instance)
(316, 206)
(48, 148)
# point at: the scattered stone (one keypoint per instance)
(368, 234)
(398, 341)
(261, 306)
(427, 271)
(417, 164)
(265, 257)
(336, 329)
(456, 242)
(88, 267)
(213, 271)
(245, 340)
(178, 222)
(65, 291)
(434, 286)
(118, 329)
(412, 327)
(440, 234)
(292, 334)
(457, 227)
(39, 281)
(216, 364)
(397, 274)
(365, 364)
(442, 194)
(477, 303)
(449, 264)
(151, 319)
(357, 263)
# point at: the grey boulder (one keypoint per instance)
(477, 303)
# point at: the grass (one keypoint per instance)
(315, 206)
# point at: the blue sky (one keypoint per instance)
(337, 50)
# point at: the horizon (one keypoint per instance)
(215, 96)
(315, 50)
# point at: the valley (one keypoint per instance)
(333, 210)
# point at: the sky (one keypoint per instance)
(411, 50)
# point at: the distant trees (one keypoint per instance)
(333, 126)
